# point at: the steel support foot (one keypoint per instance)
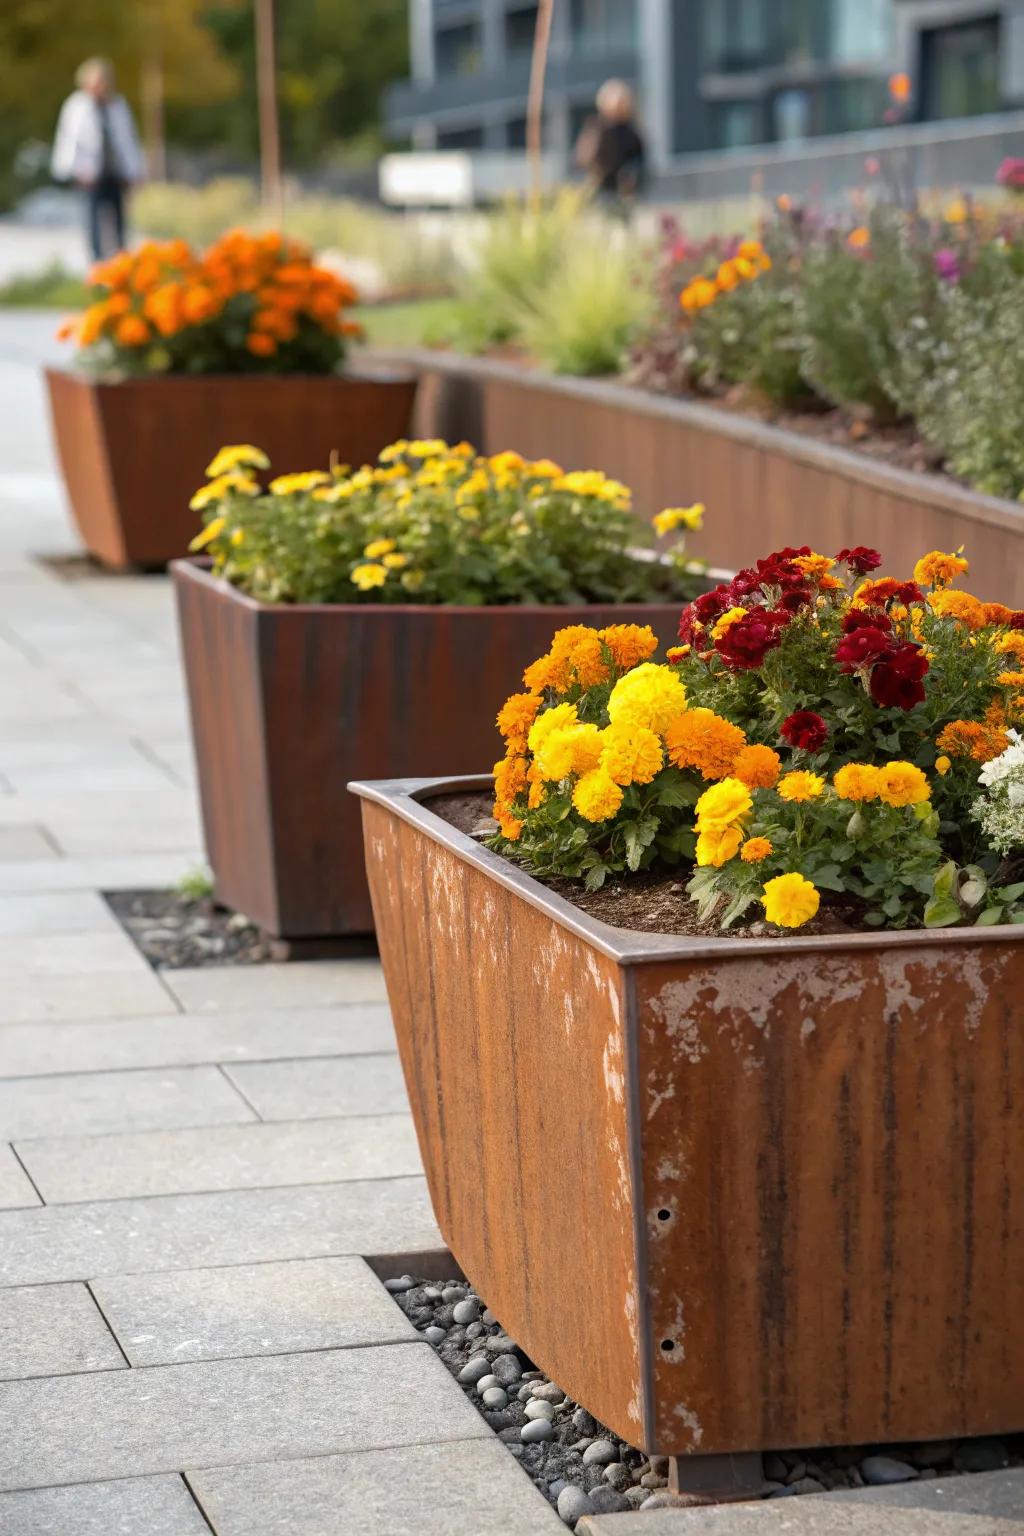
(727, 1478)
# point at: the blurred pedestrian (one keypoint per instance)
(610, 149)
(96, 147)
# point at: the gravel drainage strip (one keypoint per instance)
(583, 1468)
(174, 931)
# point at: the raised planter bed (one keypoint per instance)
(733, 1193)
(751, 475)
(289, 702)
(133, 451)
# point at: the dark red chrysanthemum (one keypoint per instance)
(897, 682)
(866, 618)
(746, 642)
(1016, 619)
(804, 729)
(860, 559)
(794, 598)
(862, 647)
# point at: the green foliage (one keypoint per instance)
(195, 884)
(588, 311)
(969, 896)
(519, 253)
(53, 288)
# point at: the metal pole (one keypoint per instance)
(271, 190)
(535, 100)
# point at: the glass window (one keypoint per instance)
(735, 124)
(960, 69)
(520, 27)
(461, 138)
(736, 35)
(600, 26)
(457, 49)
(791, 114)
(860, 29)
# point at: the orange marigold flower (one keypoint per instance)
(698, 738)
(970, 738)
(858, 238)
(517, 714)
(728, 277)
(629, 644)
(677, 652)
(260, 345)
(937, 569)
(947, 603)
(131, 331)
(856, 781)
(755, 849)
(814, 564)
(698, 294)
(757, 767)
(1011, 644)
(510, 778)
(510, 826)
(997, 614)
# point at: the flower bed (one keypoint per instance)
(181, 352)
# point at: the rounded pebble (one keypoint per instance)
(540, 1411)
(584, 1422)
(599, 1454)
(453, 1293)
(473, 1369)
(431, 1293)
(500, 1344)
(466, 1311)
(548, 1392)
(618, 1476)
(524, 1394)
(474, 1330)
(494, 1397)
(434, 1335)
(536, 1430)
(606, 1501)
(880, 1470)
(985, 1455)
(404, 1283)
(489, 1317)
(487, 1381)
(573, 1504)
(507, 1369)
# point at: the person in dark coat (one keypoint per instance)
(610, 148)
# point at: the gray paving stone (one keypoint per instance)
(78, 955)
(111, 994)
(135, 1506)
(72, 1168)
(464, 1488)
(25, 843)
(94, 1103)
(220, 1412)
(56, 912)
(15, 1185)
(48, 1330)
(988, 1504)
(249, 1309)
(304, 983)
(28, 1050)
(127, 872)
(315, 1089)
(123, 1237)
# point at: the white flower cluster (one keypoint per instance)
(1001, 809)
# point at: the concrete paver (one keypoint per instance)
(96, 1103)
(15, 1185)
(131, 1506)
(53, 1330)
(314, 1088)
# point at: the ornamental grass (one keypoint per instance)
(434, 523)
(249, 303)
(819, 734)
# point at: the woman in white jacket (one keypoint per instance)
(97, 147)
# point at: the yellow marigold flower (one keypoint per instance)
(212, 531)
(801, 786)
(507, 461)
(902, 783)
(950, 604)
(305, 480)
(517, 714)
(942, 766)
(755, 849)
(412, 581)
(597, 797)
(723, 805)
(698, 738)
(677, 652)
(716, 847)
(1011, 679)
(550, 720)
(569, 749)
(814, 564)
(830, 584)
(396, 450)
(630, 754)
(395, 560)
(224, 485)
(937, 570)
(237, 456)
(378, 547)
(426, 448)
(1011, 644)
(629, 644)
(789, 901)
(757, 767)
(366, 577)
(238, 537)
(730, 616)
(545, 469)
(650, 695)
(679, 517)
(856, 781)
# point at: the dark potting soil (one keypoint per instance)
(654, 901)
(584, 1468)
(175, 931)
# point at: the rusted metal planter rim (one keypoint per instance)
(199, 569)
(934, 490)
(371, 370)
(407, 798)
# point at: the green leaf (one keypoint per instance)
(941, 912)
(989, 917)
(945, 880)
(596, 876)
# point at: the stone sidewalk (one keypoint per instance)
(194, 1164)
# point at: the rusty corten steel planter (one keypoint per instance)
(289, 702)
(132, 451)
(731, 1194)
(754, 477)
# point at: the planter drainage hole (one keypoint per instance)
(668, 1345)
(664, 1215)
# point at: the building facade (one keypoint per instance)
(710, 75)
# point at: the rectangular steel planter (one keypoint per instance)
(133, 451)
(288, 703)
(755, 478)
(732, 1194)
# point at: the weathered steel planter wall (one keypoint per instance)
(133, 452)
(764, 487)
(288, 703)
(731, 1194)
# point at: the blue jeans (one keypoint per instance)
(104, 207)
